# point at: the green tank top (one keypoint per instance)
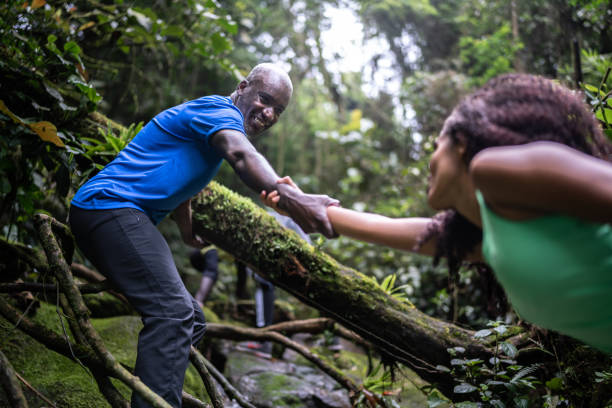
(556, 271)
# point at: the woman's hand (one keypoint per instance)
(271, 199)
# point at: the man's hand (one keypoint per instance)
(308, 210)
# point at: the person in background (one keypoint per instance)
(113, 216)
(522, 172)
(206, 261)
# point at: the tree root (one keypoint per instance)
(10, 383)
(315, 326)
(90, 275)
(84, 288)
(231, 392)
(197, 360)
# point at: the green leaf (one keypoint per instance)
(482, 333)
(172, 30)
(65, 107)
(51, 45)
(554, 384)
(72, 48)
(508, 349)
(54, 93)
(467, 404)
(600, 115)
(464, 388)
(521, 402)
(435, 400)
(229, 26)
(142, 19)
(388, 282)
(219, 43)
(473, 362)
(86, 89)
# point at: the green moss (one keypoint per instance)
(278, 387)
(210, 316)
(55, 376)
(65, 382)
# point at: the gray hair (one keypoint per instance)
(267, 67)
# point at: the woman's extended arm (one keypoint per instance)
(541, 178)
(399, 233)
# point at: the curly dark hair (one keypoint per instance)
(511, 109)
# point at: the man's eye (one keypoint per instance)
(264, 99)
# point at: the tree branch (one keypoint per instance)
(197, 360)
(10, 383)
(317, 325)
(227, 387)
(85, 288)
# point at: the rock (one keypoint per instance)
(276, 383)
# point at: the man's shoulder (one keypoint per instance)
(212, 104)
(212, 101)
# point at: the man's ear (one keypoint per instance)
(241, 86)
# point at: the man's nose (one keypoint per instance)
(270, 114)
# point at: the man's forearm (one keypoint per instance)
(308, 210)
(255, 171)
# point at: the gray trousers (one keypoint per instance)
(125, 246)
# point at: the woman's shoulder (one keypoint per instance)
(534, 179)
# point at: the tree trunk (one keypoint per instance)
(397, 328)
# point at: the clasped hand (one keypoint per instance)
(308, 210)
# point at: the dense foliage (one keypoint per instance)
(58, 60)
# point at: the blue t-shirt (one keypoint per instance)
(167, 162)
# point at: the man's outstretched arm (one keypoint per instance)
(308, 210)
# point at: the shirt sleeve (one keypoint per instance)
(215, 118)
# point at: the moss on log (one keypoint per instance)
(399, 330)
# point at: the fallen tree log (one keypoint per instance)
(396, 328)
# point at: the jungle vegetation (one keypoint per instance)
(78, 80)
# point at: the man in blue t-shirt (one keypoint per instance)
(113, 216)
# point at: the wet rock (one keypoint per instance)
(276, 384)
